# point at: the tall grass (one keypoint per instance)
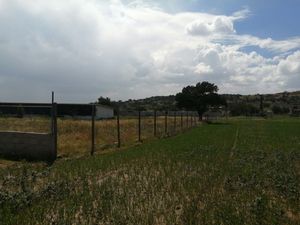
(74, 135)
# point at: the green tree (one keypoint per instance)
(199, 97)
(105, 101)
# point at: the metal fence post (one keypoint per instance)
(154, 124)
(54, 129)
(139, 126)
(93, 129)
(118, 128)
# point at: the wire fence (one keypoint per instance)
(80, 136)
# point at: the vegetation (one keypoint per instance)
(74, 136)
(106, 101)
(237, 104)
(235, 172)
(160, 103)
(199, 97)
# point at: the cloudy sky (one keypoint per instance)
(83, 49)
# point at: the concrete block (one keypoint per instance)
(35, 146)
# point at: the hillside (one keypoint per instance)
(279, 103)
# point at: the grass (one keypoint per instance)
(74, 136)
(236, 172)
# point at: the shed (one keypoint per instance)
(83, 111)
(104, 112)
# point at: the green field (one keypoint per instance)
(240, 171)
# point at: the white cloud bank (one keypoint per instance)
(86, 48)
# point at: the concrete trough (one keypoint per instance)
(32, 146)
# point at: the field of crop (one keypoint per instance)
(74, 136)
(241, 171)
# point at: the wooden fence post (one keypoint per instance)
(181, 121)
(187, 119)
(118, 128)
(166, 122)
(93, 129)
(139, 126)
(154, 124)
(194, 119)
(175, 121)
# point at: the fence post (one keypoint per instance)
(181, 121)
(54, 128)
(139, 126)
(93, 129)
(175, 121)
(52, 97)
(187, 119)
(154, 124)
(192, 118)
(166, 122)
(118, 128)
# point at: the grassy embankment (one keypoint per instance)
(240, 172)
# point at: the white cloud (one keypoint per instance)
(290, 65)
(242, 14)
(202, 68)
(211, 26)
(86, 48)
(276, 46)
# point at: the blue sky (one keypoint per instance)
(276, 18)
(122, 49)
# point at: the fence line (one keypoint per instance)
(191, 121)
(91, 134)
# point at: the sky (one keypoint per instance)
(125, 49)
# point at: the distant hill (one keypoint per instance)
(279, 103)
(156, 102)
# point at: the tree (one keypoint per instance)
(277, 109)
(104, 101)
(199, 97)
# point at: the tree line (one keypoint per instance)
(204, 95)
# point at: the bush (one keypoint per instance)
(245, 109)
(280, 109)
